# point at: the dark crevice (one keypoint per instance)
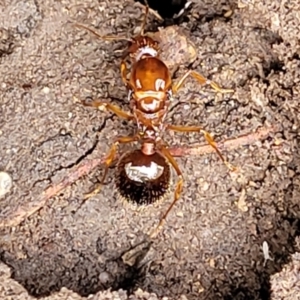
(85, 284)
(7, 42)
(211, 16)
(296, 56)
(167, 9)
(78, 160)
(269, 36)
(83, 156)
(275, 66)
(71, 165)
(81, 276)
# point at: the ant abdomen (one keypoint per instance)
(143, 179)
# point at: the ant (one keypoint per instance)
(143, 175)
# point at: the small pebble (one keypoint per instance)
(5, 183)
(267, 256)
(104, 277)
(46, 90)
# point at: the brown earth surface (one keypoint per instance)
(211, 245)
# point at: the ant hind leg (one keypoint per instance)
(166, 153)
(108, 161)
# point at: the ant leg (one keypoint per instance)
(166, 153)
(103, 37)
(201, 80)
(113, 108)
(145, 18)
(208, 138)
(153, 12)
(124, 73)
(109, 159)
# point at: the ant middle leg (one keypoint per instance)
(202, 80)
(109, 159)
(208, 138)
(113, 108)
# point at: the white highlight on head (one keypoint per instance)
(143, 173)
(159, 84)
(146, 50)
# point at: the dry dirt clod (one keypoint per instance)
(176, 48)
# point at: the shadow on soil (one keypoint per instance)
(43, 273)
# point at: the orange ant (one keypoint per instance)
(143, 175)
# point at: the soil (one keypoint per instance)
(211, 246)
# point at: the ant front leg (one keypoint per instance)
(166, 153)
(208, 138)
(201, 80)
(113, 108)
(124, 72)
(109, 159)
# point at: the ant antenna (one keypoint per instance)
(124, 38)
(103, 37)
(145, 17)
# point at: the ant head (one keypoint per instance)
(143, 179)
(142, 44)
